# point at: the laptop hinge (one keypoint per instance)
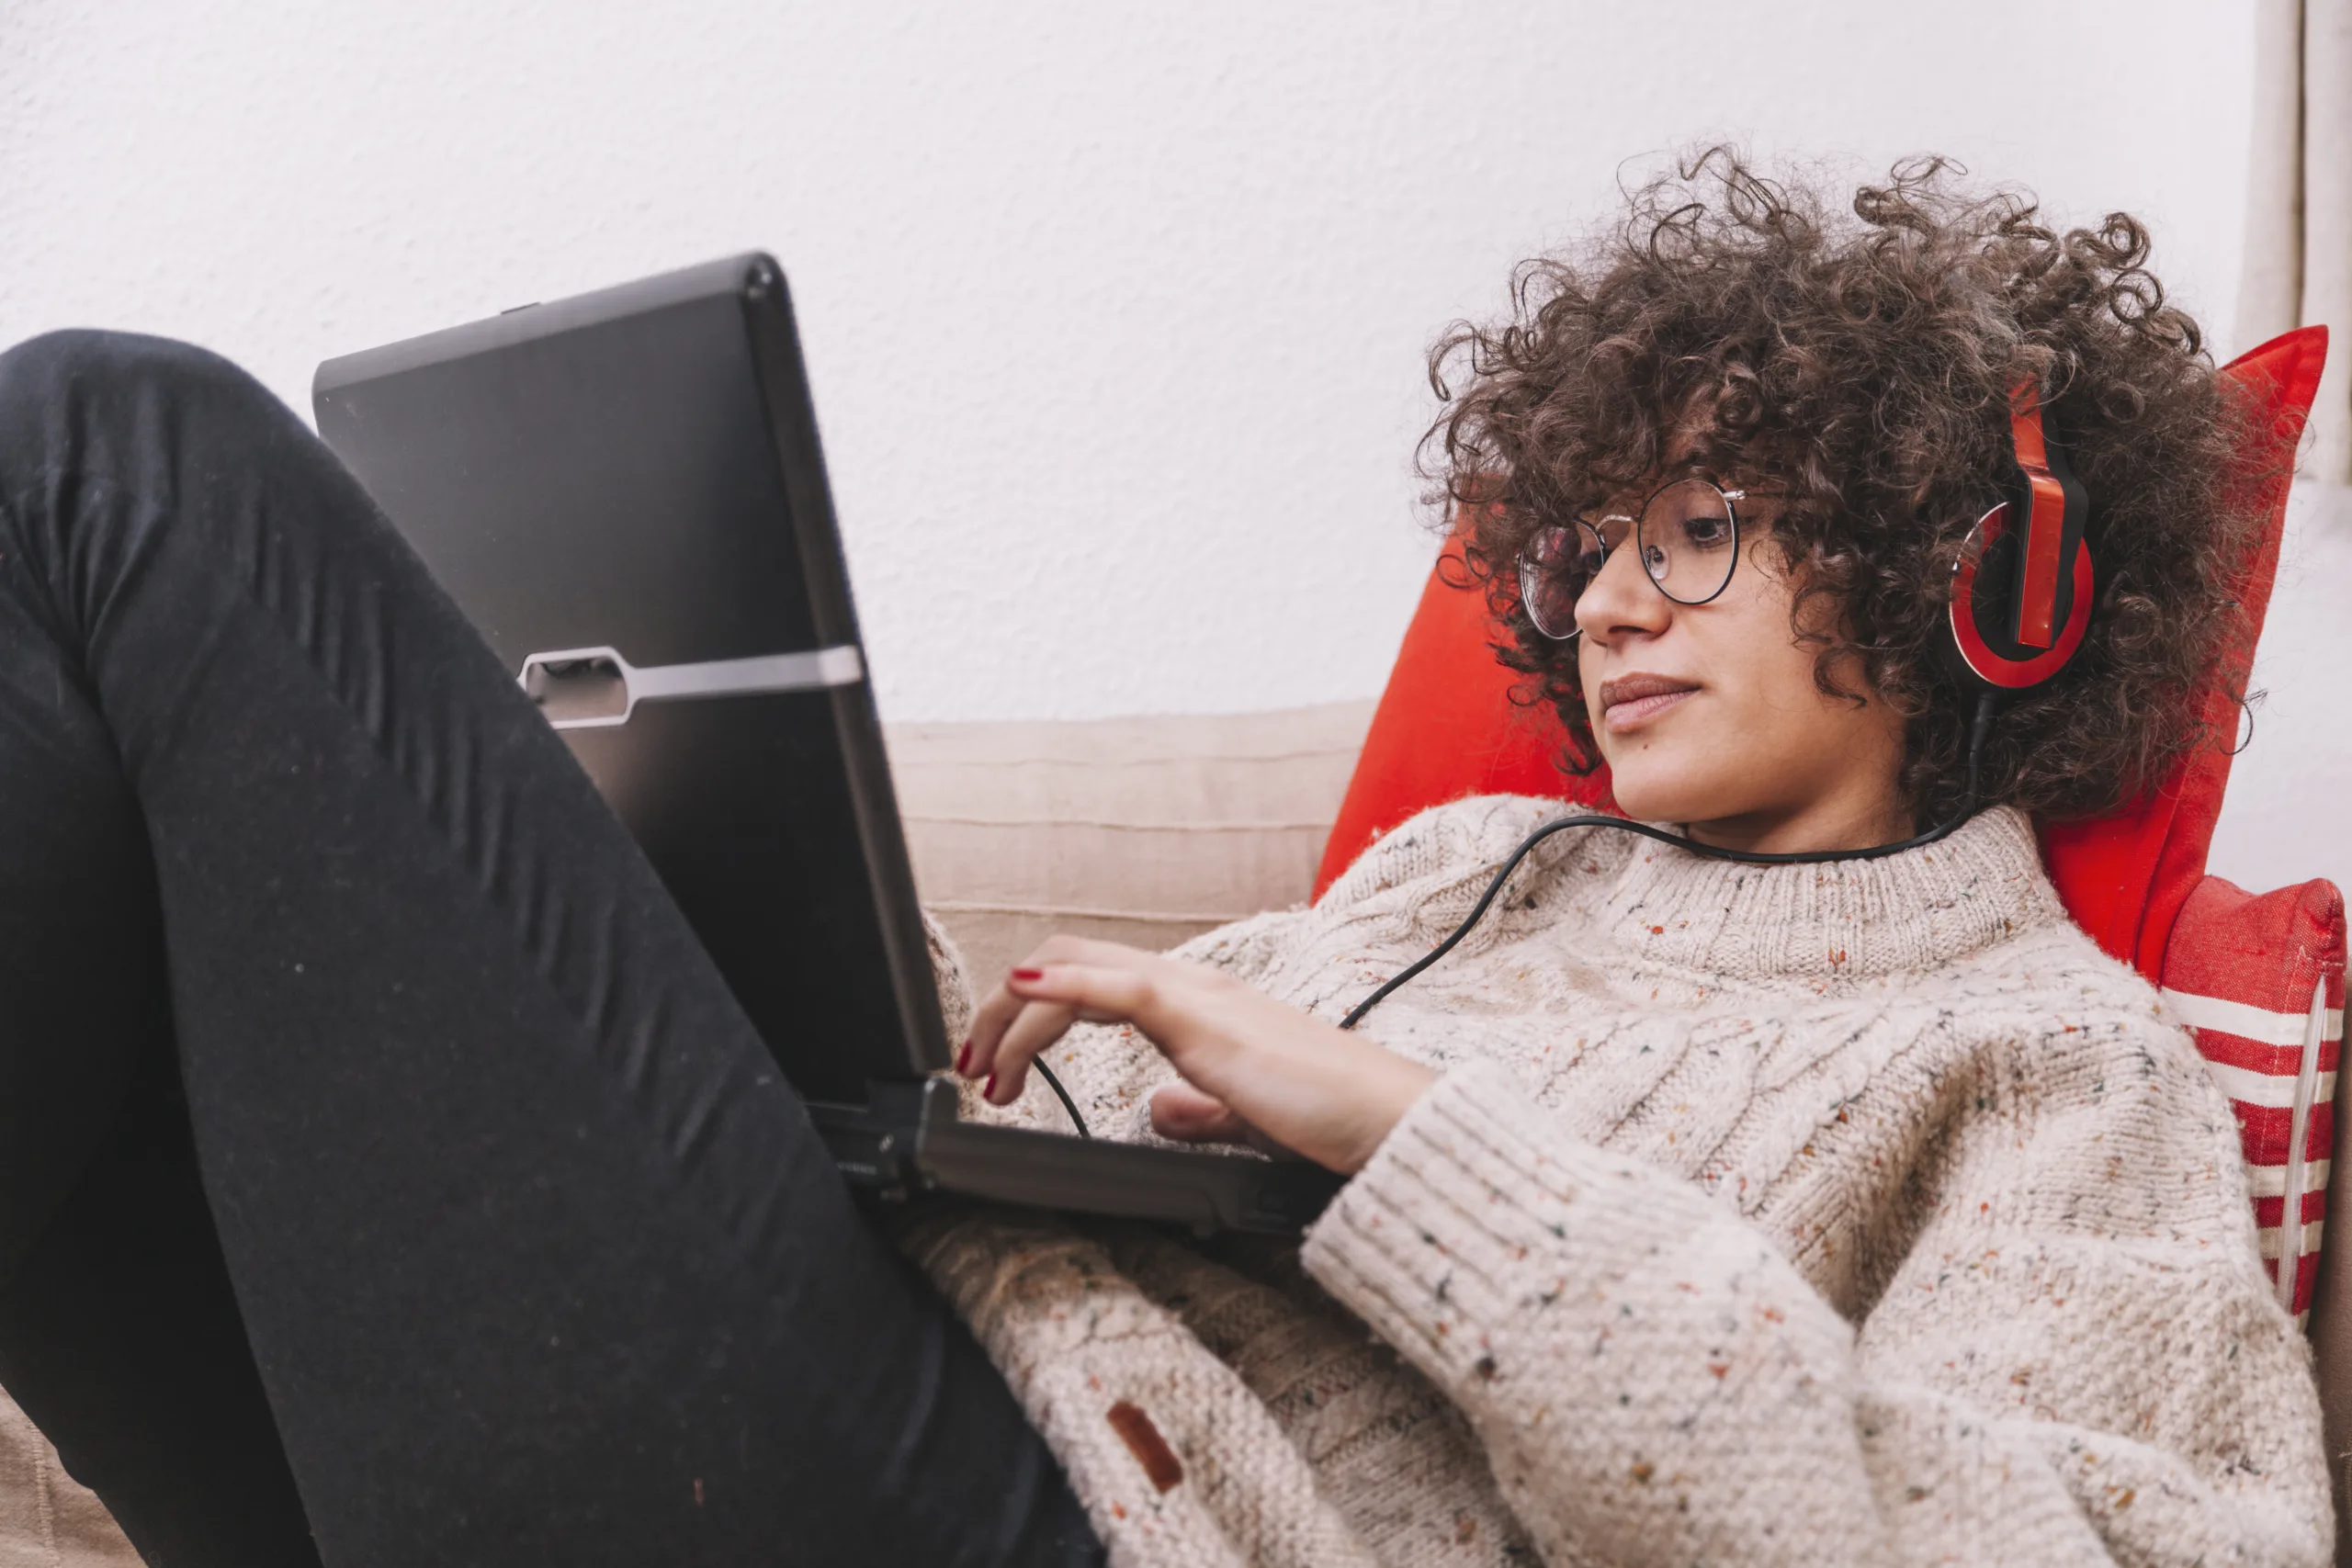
(874, 1144)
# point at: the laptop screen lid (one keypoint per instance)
(624, 493)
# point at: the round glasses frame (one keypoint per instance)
(1571, 556)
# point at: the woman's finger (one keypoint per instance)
(995, 1011)
(996, 1016)
(1033, 1030)
(991, 1019)
(1058, 996)
(991, 1016)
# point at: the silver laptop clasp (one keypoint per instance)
(595, 688)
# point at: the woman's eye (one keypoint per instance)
(1706, 533)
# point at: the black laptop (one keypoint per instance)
(624, 492)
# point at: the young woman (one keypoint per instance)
(389, 1178)
(1710, 1212)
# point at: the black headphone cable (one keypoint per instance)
(1978, 729)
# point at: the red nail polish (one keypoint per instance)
(964, 1060)
(1028, 975)
(987, 1089)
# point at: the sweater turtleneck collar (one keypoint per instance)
(1837, 921)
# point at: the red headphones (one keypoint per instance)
(2021, 597)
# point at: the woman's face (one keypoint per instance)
(1709, 717)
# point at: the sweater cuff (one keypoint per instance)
(1431, 1240)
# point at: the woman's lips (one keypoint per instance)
(1631, 701)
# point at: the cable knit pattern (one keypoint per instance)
(1858, 1213)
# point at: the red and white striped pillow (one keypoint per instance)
(2259, 982)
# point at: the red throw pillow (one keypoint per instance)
(2125, 875)
(1446, 728)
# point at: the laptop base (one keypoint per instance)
(908, 1139)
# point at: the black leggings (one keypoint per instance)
(386, 1174)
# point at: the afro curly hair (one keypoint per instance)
(1860, 364)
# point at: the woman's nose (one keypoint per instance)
(1622, 599)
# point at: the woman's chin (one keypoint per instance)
(1653, 795)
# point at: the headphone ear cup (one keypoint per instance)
(1982, 614)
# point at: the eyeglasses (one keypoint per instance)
(1686, 539)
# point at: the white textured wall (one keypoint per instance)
(1115, 313)
(2288, 814)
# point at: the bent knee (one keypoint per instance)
(92, 369)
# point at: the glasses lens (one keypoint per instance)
(1690, 541)
(1553, 571)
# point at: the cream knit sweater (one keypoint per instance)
(1857, 1214)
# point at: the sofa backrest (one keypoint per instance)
(1142, 831)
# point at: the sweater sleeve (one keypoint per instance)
(2038, 1380)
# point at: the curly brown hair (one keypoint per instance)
(1862, 366)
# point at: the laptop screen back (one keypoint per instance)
(638, 470)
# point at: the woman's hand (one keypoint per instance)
(1251, 1064)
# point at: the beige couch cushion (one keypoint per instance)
(1142, 830)
(47, 1520)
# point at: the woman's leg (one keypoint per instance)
(537, 1258)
